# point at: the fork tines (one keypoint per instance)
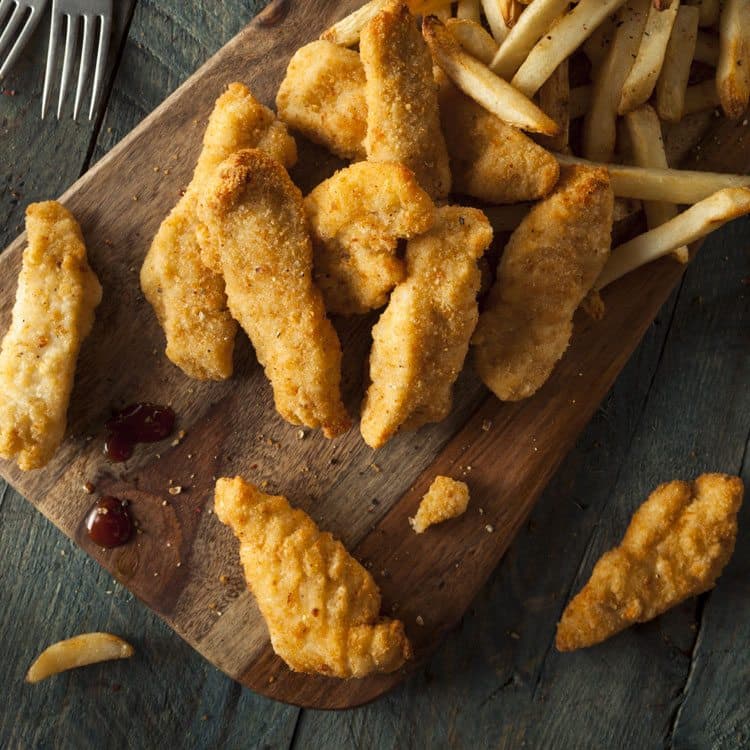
(18, 19)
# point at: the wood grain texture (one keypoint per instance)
(451, 458)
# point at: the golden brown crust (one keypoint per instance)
(446, 499)
(323, 97)
(403, 122)
(321, 606)
(356, 220)
(420, 342)
(676, 546)
(254, 215)
(53, 313)
(549, 265)
(188, 296)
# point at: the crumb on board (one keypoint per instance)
(446, 498)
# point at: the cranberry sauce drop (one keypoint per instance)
(137, 423)
(108, 523)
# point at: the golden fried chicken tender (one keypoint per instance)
(549, 265)
(676, 546)
(187, 296)
(321, 606)
(53, 313)
(356, 220)
(490, 159)
(403, 122)
(323, 97)
(254, 215)
(420, 342)
(446, 499)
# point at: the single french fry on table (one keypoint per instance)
(675, 73)
(554, 99)
(473, 38)
(733, 67)
(701, 97)
(469, 9)
(494, 15)
(481, 84)
(691, 225)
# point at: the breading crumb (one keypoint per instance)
(446, 498)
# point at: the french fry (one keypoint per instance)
(532, 25)
(710, 10)
(673, 81)
(554, 99)
(596, 46)
(639, 85)
(510, 11)
(580, 100)
(707, 48)
(481, 84)
(696, 222)
(647, 147)
(473, 38)
(670, 185)
(79, 651)
(560, 42)
(701, 97)
(494, 15)
(600, 124)
(733, 68)
(469, 9)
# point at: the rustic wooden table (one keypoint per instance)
(680, 407)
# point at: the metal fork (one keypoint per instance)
(22, 17)
(93, 13)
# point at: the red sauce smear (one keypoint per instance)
(137, 423)
(109, 523)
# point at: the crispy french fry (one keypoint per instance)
(554, 99)
(79, 651)
(560, 42)
(469, 9)
(671, 185)
(510, 11)
(473, 38)
(673, 81)
(707, 48)
(696, 222)
(639, 85)
(710, 10)
(733, 68)
(701, 97)
(531, 26)
(647, 147)
(600, 124)
(481, 84)
(493, 14)
(580, 100)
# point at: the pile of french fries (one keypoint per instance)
(641, 68)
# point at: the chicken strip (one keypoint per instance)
(403, 122)
(420, 342)
(489, 159)
(445, 499)
(320, 605)
(53, 313)
(323, 97)
(549, 265)
(254, 215)
(187, 296)
(676, 546)
(356, 219)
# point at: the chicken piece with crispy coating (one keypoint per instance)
(253, 214)
(447, 498)
(188, 296)
(403, 121)
(549, 266)
(320, 605)
(53, 313)
(676, 546)
(356, 219)
(323, 97)
(490, 159)
(420, 342)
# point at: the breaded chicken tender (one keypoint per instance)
(254, 216)
(321, 606)
(676, 546)
(356, 219)
(490, 159)
(403, 122)
(446, 499)
(420, 342)
(549, 265)
(53, 313)
(187, 296)
(323, 97)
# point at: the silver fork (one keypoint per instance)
(93, 14)
(21, 18)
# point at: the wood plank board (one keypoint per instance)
(506, 452)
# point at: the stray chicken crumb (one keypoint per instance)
(446, 498)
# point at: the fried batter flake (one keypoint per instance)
(320, 605)
(446, 499)
(675, 547)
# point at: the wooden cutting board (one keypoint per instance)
(184, 564)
